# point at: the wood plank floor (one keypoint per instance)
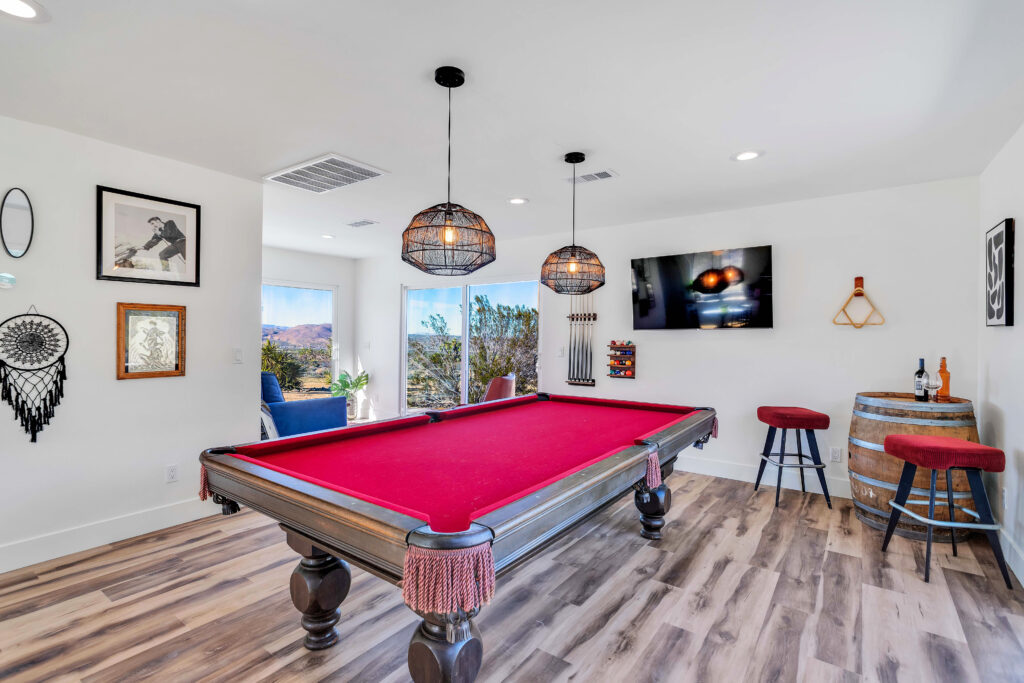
(737, 591)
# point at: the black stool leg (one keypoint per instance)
(931, 515)
(812, 443)
(782, 459)
(952, 508)
(902, 493)
(800, 459)
(984, 511)
(768, 443)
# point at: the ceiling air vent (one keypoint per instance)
(591, 177)
(325, 173)
(362, 223)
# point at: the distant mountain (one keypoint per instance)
(298, 336)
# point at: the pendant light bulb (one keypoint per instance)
(451, 235)
(573, 266)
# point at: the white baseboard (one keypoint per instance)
(1013, 553)
(29, 551)
(699, 464)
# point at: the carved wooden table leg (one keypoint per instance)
(318, 585)
(446, 648)
(653, 504)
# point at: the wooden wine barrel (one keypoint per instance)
(874, 474)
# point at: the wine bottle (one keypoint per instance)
(943, 392)
(920, 380)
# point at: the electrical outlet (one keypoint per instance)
(171, 474)
(835, 454)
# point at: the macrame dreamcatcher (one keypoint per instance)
(32, 368)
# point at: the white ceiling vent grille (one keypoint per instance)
(592, 177)
(325, 173)
(362, 223)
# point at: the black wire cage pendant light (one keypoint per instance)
(448, 239)
(573, 269)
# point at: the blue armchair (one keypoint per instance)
(300, 417)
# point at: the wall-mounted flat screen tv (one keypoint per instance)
(706, 290)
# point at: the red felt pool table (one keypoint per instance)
(443, 503)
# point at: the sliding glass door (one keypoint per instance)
(449, 358)
(433, 340)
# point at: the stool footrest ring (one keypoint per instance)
(768, 459)
(942, 523)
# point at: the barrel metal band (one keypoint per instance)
(892, 487)
(868, 445)
(914, 420)
(901, 405)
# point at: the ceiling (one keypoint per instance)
(841, 97)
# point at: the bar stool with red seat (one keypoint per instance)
(789, 417)
(945, 453)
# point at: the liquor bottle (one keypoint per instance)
(920, 380)
(943, 393)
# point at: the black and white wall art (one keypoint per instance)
(140, 238)
(999, 275)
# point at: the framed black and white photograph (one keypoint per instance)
(140, 238)
(999, 275)
(150, 341)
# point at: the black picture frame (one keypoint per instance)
(104, 257)
(999, 274)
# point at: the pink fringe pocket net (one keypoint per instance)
(653, 478)
(445, 581)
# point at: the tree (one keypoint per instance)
(283, 364)
(434, 366)
(502, 339)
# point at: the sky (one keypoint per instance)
(289, 306)
(447, 301)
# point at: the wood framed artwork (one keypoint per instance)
(150, 341)
(999, 245)
(141, 238)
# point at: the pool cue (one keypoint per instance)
(572, 341)
(579, 341)
(586, 340)
(590, 336)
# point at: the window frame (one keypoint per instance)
(297, 284)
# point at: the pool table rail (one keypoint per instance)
(368, 535)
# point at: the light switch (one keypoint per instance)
(238, 355)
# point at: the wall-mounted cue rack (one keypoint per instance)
(581, 338)
(622, 360)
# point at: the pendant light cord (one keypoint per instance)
(574, 205)
(449, 148)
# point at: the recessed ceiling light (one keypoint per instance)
(746, 156)
(518, 200)
(23, 9)
(328, 237)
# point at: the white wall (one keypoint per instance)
(910, 244)
(97, 472)
(287, 267)
(1001, 349)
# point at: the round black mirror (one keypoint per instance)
(16, 222)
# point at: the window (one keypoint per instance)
(449, 358)
(298, 339)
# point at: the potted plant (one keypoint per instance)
(346, 385)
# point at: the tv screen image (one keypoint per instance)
(706, 290)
